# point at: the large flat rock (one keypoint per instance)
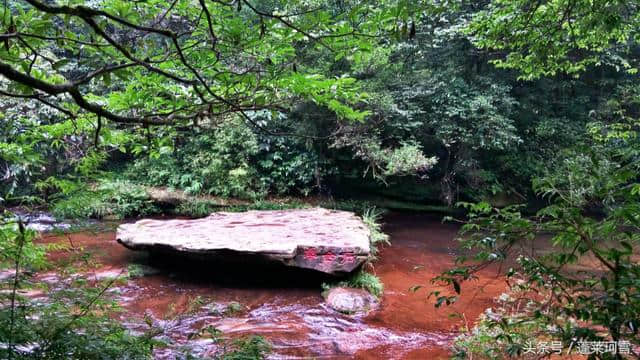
(329, 241)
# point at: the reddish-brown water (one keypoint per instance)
(295, 319)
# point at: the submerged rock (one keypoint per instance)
(350, 300)
(39, 221)
(324, 240)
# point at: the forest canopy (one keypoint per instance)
(520, 115)
(157, 62)
(545, 38)
(403, 92)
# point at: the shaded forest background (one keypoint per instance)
(431, 120)
(414, 104)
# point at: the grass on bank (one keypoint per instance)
(359, 280)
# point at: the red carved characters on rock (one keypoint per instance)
(348, 258)
(328, 258)
(310, 254)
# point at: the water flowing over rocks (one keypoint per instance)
(39, 221)
(291, 315)
(328, 241)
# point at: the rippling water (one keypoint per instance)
(292, 317)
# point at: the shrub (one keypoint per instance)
(286, 166)
(231, 161)
(72, 322)
(196, 208)
(557, 299)
(216, 162)
(119, 199)
(251, 347)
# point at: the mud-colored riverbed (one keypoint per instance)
(291, 316)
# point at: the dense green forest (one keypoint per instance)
(522, 113)
(390, 99)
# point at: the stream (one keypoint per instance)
(292, 316)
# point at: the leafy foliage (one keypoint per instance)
(116, 199)
(265, 104)
(249, 99)
(287, 164)
(214, 163)
(362, 279)
(505, 330)
(599, 303)
(73, 321)
(242, 348)
(371, 218)
(560, 36)
(253, 347)
(196, 208)
(230, 161)
(160, 63)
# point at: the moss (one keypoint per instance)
(359, 280)
(234, 308)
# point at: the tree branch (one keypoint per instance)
(72, 90)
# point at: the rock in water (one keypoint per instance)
(330, 241)
(350, 301)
